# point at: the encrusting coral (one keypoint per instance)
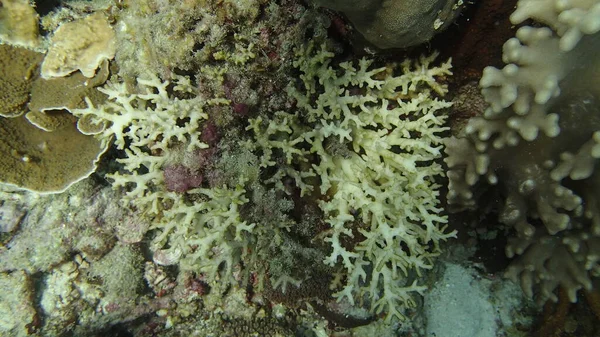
(40, 139)
(64, 93)
(42, 161)
(18, 69)
(538, 144)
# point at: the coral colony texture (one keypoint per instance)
(299, 168)
(538, 143)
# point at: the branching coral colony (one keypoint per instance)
(537, 145)
(375, 136)
(363, 141)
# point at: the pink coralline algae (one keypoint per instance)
(179, 178)
(210, 134)
(189, 173)
(241, 109)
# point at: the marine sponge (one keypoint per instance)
(539, 143)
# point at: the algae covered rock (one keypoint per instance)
(397, 23)
(17, 310)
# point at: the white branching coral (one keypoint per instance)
(202, 227)
(147, 125)
(207, 235)
(366, 140)
(376, 137)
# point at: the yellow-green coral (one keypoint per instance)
(80, 45)
(18, 70)
(376, 137)
(147, 126)
(362, 142)
(64, 93)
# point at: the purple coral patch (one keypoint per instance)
(179, 178)
(210, 134)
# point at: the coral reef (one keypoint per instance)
(260, 178)
(164, 129)
(536, 145)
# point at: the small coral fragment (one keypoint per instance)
(19, 23)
